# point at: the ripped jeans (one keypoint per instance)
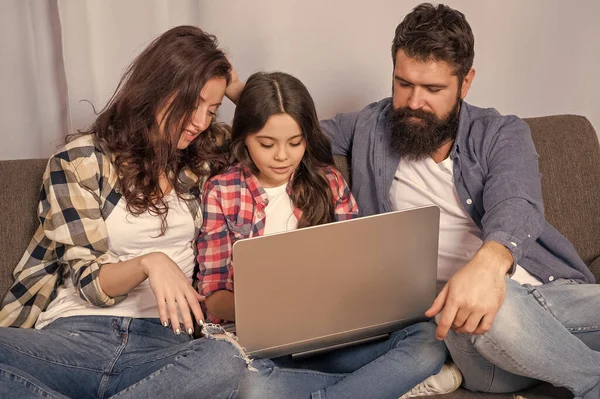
(382, 370)
(121, 357)
(549, 332)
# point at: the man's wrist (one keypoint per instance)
(497, 256)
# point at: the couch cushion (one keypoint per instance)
(19, 196)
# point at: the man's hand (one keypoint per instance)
(471, 299)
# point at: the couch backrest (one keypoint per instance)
(570, 167)
(569, 163)
(19, 196)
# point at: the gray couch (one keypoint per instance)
(569, 162)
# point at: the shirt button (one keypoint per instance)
(469, 201)
(551, 278)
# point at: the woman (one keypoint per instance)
(106, 280)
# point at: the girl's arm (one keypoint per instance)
(221, 304)
(215, 274)
(345, 204)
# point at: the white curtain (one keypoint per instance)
(533, 58)
(59, 54)
(33, 105)
(100, 39)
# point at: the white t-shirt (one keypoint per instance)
(423, 182)
(279, 212)
(131, 236)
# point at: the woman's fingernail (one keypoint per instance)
(190, 331)
(165, 323)
(200, 323)
(178, 331)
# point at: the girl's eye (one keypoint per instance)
(296, 144)
(266, 145)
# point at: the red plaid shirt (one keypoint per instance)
(234, 209)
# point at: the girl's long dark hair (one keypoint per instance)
(173, 68)
(267, 94)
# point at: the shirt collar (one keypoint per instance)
(258, 192)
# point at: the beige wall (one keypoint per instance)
(533, 58)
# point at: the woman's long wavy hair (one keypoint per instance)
(267, 94)
(171, 73)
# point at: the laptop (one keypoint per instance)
(320, 288)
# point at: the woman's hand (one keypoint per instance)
(173, 292)
(234, 89)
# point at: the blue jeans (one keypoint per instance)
(385, 369)
(549, 333)
(99, 356)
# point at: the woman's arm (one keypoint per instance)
(235, 87)
(72, 219)
(169, 284)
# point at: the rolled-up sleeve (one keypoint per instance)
(70, 215)
(214, 247)
(512, 194)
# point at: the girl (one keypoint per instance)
(285, 179)
(106, 280)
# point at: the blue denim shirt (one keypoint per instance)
(496, 177)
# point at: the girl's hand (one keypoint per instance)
(173, 292)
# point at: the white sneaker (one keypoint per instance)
(447, 380)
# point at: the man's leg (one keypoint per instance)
(549, 333)
(385, 369)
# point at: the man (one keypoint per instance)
(518, 304)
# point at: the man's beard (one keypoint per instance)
(417, 139)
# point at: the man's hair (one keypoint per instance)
(436, 33)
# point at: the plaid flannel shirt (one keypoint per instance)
(234, 209)
(79, 191)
